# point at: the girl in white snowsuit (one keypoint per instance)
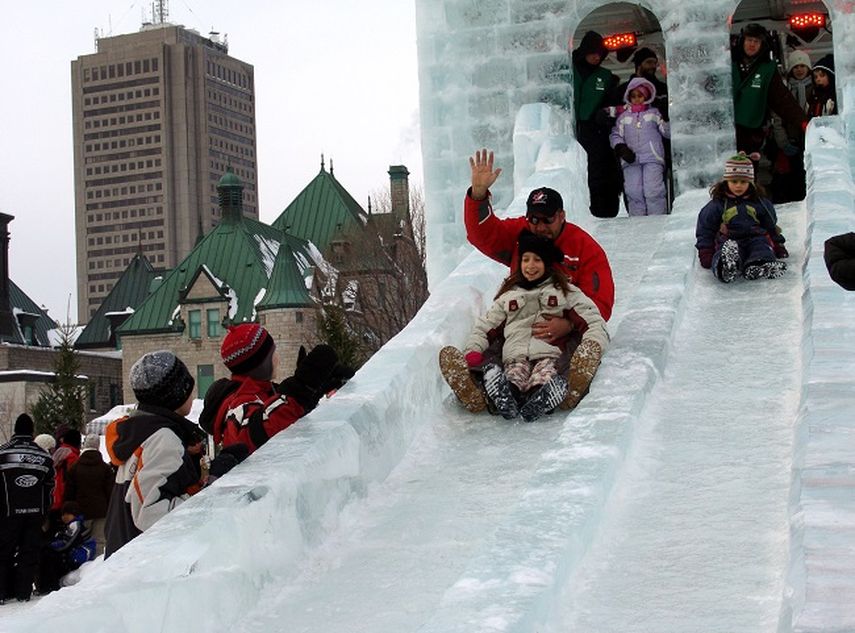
(637, 141)
(530, 384)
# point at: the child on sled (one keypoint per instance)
(527, 382)
(737, 230)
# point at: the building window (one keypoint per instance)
(92, 398)
(194, 318)
(115, 395)
(204, 379)
(298, 317)
(214, 326)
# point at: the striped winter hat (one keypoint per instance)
(245, 347)
(739, 167)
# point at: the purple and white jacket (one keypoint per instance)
(641, 127)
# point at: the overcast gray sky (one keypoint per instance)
(332, 76)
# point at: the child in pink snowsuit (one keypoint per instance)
(637, 141)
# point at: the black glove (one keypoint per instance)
(622, 151)
(337, 378)
(315, 371)
(228, 458)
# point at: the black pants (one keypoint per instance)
(20, 542)
(52, 567)
(604, 179)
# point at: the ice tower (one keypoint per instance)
(480, 61)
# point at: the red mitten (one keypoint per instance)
(474, 359)
(705, 256)
(780, 250)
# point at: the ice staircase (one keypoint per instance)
(391, 509)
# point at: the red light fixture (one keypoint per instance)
(620, 40)
(808, 25)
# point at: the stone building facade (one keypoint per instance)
(26, 370)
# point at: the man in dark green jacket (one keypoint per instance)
(757, 88)
(592, 85)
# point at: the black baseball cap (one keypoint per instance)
(544, 201)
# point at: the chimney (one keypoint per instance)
(399, 187)
(8, 325)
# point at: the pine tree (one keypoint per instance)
(335, 331)
(62, 402)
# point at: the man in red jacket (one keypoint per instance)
(585, 264)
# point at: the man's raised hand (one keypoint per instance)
(483, 174)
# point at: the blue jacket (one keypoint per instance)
(736, 218)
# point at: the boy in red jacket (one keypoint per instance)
(249, 408)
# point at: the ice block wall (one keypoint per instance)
(481, 60)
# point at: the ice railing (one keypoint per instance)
(822, 513)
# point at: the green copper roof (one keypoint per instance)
(230, 179)
(321, 210)
(129, 292)
(287, 287)
(242, 255)
(21, 302)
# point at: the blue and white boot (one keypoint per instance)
(545, 399)
(499, 392)
(728, 261)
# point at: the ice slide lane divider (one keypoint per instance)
(822, 504)
(205, 564)
(511, 584)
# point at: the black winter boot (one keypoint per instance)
(499, 392)
(728, 262)
(545, 399)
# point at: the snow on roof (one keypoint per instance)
(269, 249)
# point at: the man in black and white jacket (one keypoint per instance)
(26, 491)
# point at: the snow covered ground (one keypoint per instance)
(705, 483)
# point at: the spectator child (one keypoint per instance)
(787, 151)
(249, 408)
(89, 483)
(799, 78)
(529, 384)
(149, 448)
(737, 230)
(70, 547)
(823, 100)
(637, 141)
(46, 441)
(64, 457)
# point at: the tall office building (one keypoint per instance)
(158, 117)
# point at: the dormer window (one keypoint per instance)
(215, 328)
(194, 324)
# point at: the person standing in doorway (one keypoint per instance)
(757, 88)
(592, 85)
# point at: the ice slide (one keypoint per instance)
(672, 499)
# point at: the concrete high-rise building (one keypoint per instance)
(158, 117)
